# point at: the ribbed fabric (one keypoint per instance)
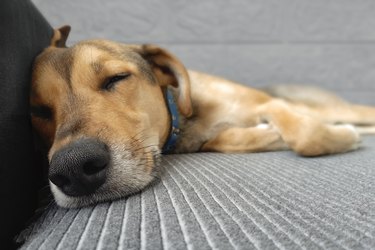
(231, 201)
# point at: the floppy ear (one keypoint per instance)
(60, 36)
(170, 71)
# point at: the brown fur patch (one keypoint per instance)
(97, 67)
(64, 69)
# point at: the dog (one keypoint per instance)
(106, 111)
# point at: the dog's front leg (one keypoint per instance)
(242, 140)
(306, 135)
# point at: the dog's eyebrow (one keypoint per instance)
(97, 67)
(131, 56)
(103, 47)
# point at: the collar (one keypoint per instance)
(174, 131)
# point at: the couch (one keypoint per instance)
(240, 201)
(274, 200)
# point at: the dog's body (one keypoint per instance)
(229, 117)
(100, 107)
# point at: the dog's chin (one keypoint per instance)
(67, 201)
(125, 176)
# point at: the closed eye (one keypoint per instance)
(110, 82)
(42, 112)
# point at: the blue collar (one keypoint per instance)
(174, 132)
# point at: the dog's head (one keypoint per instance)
(99, 107)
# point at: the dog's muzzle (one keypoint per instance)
(80, 167)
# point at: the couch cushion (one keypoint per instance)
(224, 201)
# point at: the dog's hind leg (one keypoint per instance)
(361, 115)
(344, 113)
(365, 130)
(323, 105)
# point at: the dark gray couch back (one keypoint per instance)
(24, 33)
(256, 42)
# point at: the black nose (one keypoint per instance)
(80, 167)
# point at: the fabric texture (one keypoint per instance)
(273, 200)
(257, 42)
(236, 201)
(24, 33)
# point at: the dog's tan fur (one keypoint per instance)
(215, 114)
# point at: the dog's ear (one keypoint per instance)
(170, 71)
(60, 36)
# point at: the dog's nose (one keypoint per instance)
(80, 167)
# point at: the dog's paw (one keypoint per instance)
(350, 135)
(330, 139)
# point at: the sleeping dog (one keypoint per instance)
(106, 111)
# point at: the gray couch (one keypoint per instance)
(236, 201)
(239, 201)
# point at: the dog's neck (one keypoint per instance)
(174, 130)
